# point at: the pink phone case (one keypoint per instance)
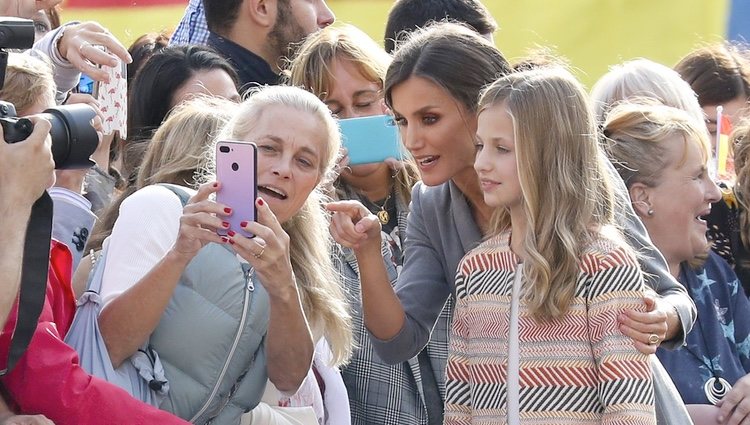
(236, 164)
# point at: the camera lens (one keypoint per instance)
(224, 149)
(73, 137)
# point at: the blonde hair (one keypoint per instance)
(567, 195)
(643, 78)
(311, 67)
(28, 81)
(311, 245)
(634, 136)
(176, 155)
(177, 151)
(311, 70)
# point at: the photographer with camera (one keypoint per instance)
(39, 372)
(26, 170)
(29, 86)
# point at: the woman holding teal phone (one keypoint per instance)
(345, 69)
(371, 139)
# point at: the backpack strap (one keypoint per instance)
(94, 283)
(177, 190)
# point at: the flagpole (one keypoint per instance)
(719, 112)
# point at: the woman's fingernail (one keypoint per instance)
(228, 210)
(260, 202)
(224, 224)
(231, 241)
(216, 184)
(231, 233)
(243, 224)
(224, 239)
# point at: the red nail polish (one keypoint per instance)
(260, 202)
(243, 224)
(216, 184)
(231, 241)
(228, 210)
(224, 239)
(224, 224)
(231, 233)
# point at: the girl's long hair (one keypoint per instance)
(567, 195)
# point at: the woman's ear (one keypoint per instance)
(384, 108)
(640, 198)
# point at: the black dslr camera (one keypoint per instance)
(73, 137)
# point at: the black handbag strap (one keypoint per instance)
(34, 269)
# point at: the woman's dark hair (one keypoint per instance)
(408, 15)
(142, 49)
(150, 97)
(450, 55)
(718, 73)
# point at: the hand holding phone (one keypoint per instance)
(112, 98)
(236, 165)
(370, 139)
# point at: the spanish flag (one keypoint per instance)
(724, 161)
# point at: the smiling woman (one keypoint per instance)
(663, 158)
(172, 284)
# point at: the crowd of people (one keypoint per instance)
(537, 254)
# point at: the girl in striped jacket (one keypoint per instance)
(535, 337)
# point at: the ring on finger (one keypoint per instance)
(653, 339)
(262, 244)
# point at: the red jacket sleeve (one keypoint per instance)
(47, 379)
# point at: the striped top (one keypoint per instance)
(577, 369)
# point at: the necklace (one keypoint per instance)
(715, 387)
(383, 215)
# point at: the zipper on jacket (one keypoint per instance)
(248, 278)
(231, 351)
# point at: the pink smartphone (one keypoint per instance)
(236, 164)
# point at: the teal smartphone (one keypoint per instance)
(370, 139)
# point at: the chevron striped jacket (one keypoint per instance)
(578, 369)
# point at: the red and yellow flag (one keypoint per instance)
(724, 160)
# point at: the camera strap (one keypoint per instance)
(33, 288)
